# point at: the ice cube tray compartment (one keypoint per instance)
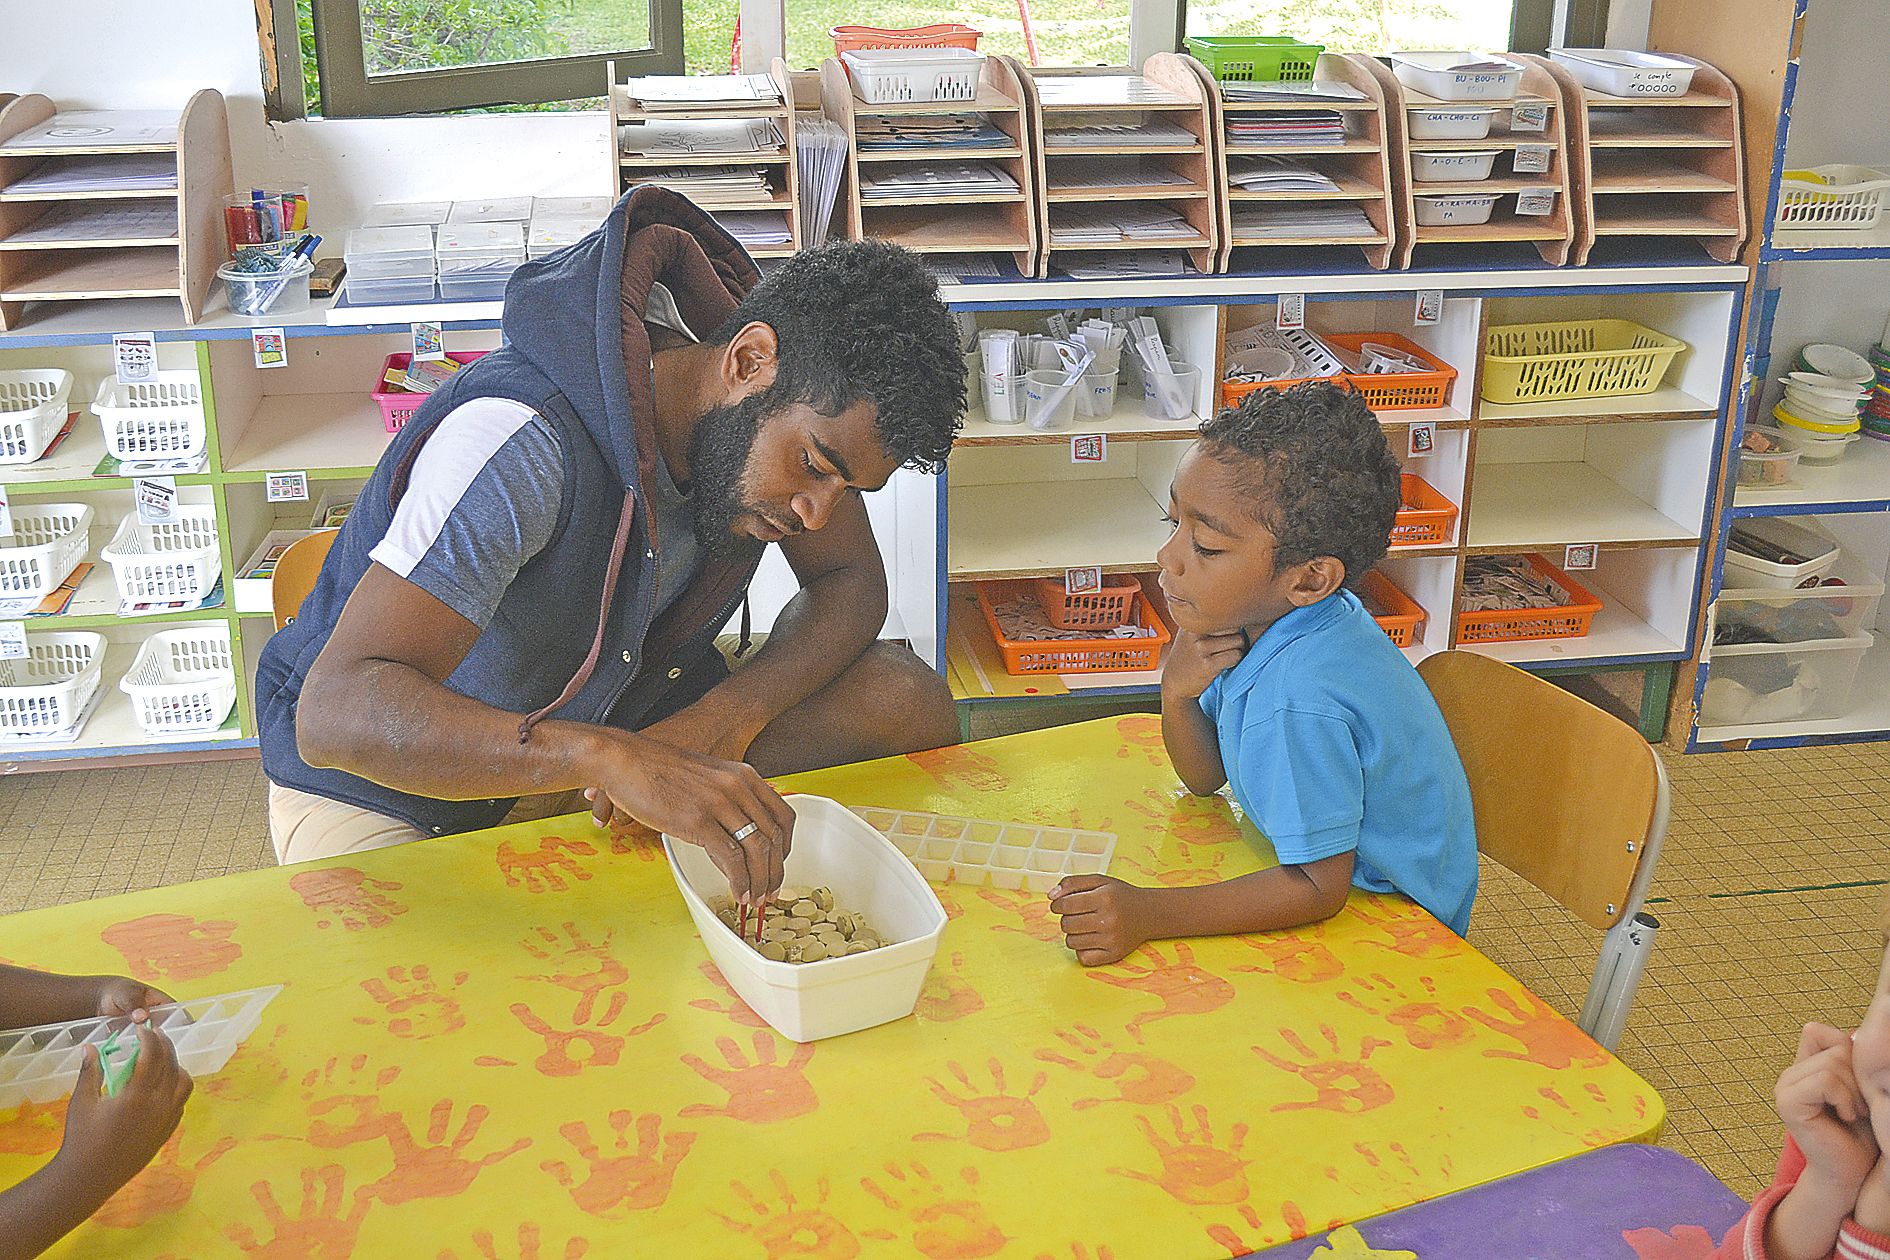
(978, 851)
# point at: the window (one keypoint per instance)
(1362, 25)
(1036, 32)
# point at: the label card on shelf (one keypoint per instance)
(1536, 201)
(134, 357)
(271, 346)
(156, 498)
(1291, 312)
(1579, 556)
(1422, 439)
(1089, 448)
(1530, 117)
(1533, 159)
(429, 343)
(286, 487)
(1082, 581)
(1430, 306)
(6, 513)
(12, 640)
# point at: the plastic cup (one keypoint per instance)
(257, 293)
(1096, 396)
(1049, 399)
(1171, 398)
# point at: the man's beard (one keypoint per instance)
(718, 457)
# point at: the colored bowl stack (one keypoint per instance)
(1824, 396)
(1876, 417)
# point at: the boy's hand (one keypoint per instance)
(1194, 660)
(118, 995)
(1104, 919)
(1825, 1112)
(109, 1139)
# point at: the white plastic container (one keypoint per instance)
(809, 1001)
(1817, 448)
(1464, 122)
(47, 543)
(156, 419)
(1770, 682)
(182, 680)
(1806, 539)
(1834, 198)
(885, 76)
(34, 403)
(44, 692)
(254, 294)
(973, 852)
(1458, 165)
(1768, 468)
(390, 253)
(1623, 72)
(1442, 211)
(1458, 75)
(162, 563)
(1839, 611)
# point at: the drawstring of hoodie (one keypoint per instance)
(618, 545)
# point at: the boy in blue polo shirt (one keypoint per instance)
(1281, 683)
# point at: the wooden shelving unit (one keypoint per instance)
(1656, 166)
(180, 261)
(1200, 200)
(985, 223)
(1553, 234)
(779, 167)
(1361, 166)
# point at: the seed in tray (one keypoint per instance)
(803, 925)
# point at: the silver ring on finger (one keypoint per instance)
(744, 833)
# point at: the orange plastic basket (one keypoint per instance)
(1073, 656)
(938, 35)
(1391, 391)
(1427, 516)
(1569, 621)
(1401, 618)
(1092, 610)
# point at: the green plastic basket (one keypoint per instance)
(1256, 58)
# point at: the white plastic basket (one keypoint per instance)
(1442, 211)
(1468, 165)
(162, 563)
(182, 680)
(1458, 76)
(1836, 198)
(1625, 72)
(47, 543)
(886, 76)
(158, 419)
(33, 407)
(46, 690)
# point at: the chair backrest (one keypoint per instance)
(295, 573)
(1566, 796)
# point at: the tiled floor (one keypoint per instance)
(1767, 894)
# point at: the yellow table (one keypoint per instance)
(510, 1046)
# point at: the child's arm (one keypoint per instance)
(108, 1140)
(1105, 919)
(1193, 662)
(30, 997)
(1823, 1110)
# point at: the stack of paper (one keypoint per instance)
(114, 172)
(98, 129)
(703, 92)
(1287, 127)
(1318, 90)
(91, 221)
(936, 179)
(711, 186)
(1128, 264)
(757, 229)
(1277, 174)
(930, 131)
(1337, 220)
(694, 137)
(1101, 174)
(1057, 91)
(1130, 221)
(823, 160)
(962, 266)
(1072, 131)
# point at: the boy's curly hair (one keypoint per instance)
(1323, 479)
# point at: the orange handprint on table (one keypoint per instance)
(164, 1185)
(1687, 1242)
(34, 1129)
(1206, 869)
(174, 946)
(1236, 1243)
(1400, 1169)
(416, 1005)
(569, 1051)
(1300, 956)
(760, 1092)
(1142, 736)
(1341, 1082)
(437, 1169)
(961, 767)
(1545, 1037)
(1195, 1169)
(738, 1011)
(345, 895)
(545, 868)
(1142, 1079)
(1078, 1251)
(1425, 1023)
(947, 995)
(530, 1246)
(949, 1223)
(997, 1121)
(1587, 1113)
(1412, 932)
(584, 967)
(1182, 987)
(1031, 908)
(344, 1106)
(792, 1230)
(318, 1231)
(625, 1181)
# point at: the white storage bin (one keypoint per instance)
(1623, 72)
(1463, 164)
(389, 292)
(390, 253)
(174, 561)
(34, 403)
(1820, 550)
(1441, 211)
(1839, 611)
(1467, 122)
(885, 76)
(1835, 198)
(182, 680)
(1817, 448)
(46, 691)
(808, 1001)
(156, 419)
(1458, 75)
(1765, 682)
(47, 543)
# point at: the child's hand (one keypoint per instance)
(1870, 1063)
(1826, 1114)
(109, 1139)
(1104, 919)
(118, 995)
(1195, 659)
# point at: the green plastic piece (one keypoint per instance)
(118, 1056)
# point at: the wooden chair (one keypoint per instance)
(1569, 798)
(295, 573)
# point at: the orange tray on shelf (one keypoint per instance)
(1568, 621)
(937, 35)
(1402, 617)
(1382, 391)
(1103, 609)
(1073, 656)
(1427, 520)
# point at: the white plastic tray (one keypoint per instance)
(182, 680)
(883, 76)
(177, 560)
(46, 692)
(156, 419)
(1451, 122)
(1624, 72)
(1439, 211)
(1751, 573)
(41, 1064)
(978, 851)
(1462, 164)
(1446, 76)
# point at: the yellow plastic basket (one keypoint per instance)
(1577, 358)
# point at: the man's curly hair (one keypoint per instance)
(1323, 479)
(862, 320)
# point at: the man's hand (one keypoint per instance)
(690, 730)
(1104, 919)
(1194, 661)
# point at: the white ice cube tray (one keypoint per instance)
(978, 851)
(41, 1064)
